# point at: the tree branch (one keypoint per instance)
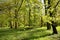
(57, 4)
(20, 5)
(54, 6)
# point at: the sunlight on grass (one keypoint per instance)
(33, 34)
(58, 28)
(52, 37)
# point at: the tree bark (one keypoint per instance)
(16, 19)
(48, 26)
(29, 17)
(45, 7)
(10, 21)
(11, 26)
(41, 21)
(54, 25)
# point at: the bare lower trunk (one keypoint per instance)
(48, 26)
(16, 18)
(29, 17)
(54, 30)
(54, 25)
(41, 22)
(16, 25)
(11, 26)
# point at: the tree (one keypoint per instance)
(47, 6)
(17, 9)
(54, 24)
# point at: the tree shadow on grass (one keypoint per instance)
(6, 32)
(35, 37)
(37, 34)
(31, 34)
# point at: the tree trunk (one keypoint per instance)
(17, 9)
(45, 7)
(54, 30)
(24, 20)
(11, 26)
(10, 21)
(54, 25)
(48, 26)
(16, 18)
(16, 24)
(41, 22)
(29, 17)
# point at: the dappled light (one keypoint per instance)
(29, 19)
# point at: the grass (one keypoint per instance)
(33, 34)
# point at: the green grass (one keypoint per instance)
(33, 34)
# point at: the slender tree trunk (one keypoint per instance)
(29, 17)
(11, 26)
(17, 9)
(24, 19)
(10, 21)
(34, 17)
(16, 24)
(48, 26)
(41, 22)
(16, 19)
(45, 7)
(34, 20)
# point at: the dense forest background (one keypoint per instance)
(30, 14)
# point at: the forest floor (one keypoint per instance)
(32, 34)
